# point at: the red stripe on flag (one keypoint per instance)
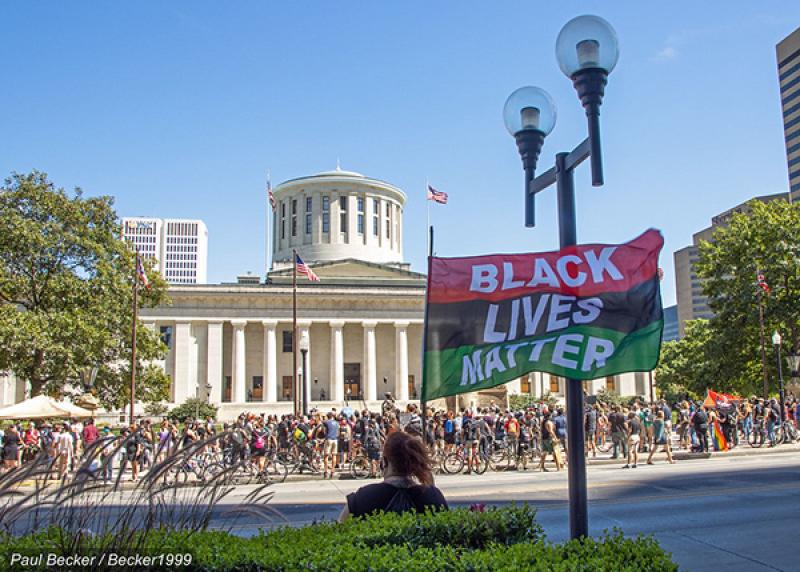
(302, 268)
(438, 196)
(591, 269)
(271, 196)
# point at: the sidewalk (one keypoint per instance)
(742, 450)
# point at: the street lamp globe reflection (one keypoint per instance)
(587, 42)
(529, 109)
(776, 338)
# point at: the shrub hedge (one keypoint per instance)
(458, 540)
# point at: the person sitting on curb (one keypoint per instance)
(407, 482)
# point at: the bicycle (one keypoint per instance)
(454, 462)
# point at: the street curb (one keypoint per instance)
(740, 451)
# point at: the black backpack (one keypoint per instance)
(401, 502)
(700, 418)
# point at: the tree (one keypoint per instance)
(66, 294)
(193, 408)
(684, 369)
(611, 397)
(766, 239)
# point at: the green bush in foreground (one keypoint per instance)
(458, 540)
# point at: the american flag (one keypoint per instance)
(303, 269)
(438, 196)
(141, 273)
(270, 195)
(762, 282)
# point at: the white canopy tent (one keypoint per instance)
(42, 407)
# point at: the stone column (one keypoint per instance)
(370, 361)
(334, 220)
(180, 379)
(270, 373)
(352, 219)
(401, 361)
(238, 361)
(214, 361)
(337, 361)
(400, 232)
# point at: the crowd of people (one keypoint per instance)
(328, 442)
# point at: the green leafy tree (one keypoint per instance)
(684, 368)
(156, 409)
(701, 361)
(66, 294)
(765, 238)
(193, 408)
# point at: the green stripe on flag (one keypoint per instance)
(579, 355)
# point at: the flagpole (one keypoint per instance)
(133, 333)
(294, 331)
(423, 400)
(267, 227)
(428, 225)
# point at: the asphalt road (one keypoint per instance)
(724, 513)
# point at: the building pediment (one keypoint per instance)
(351, 270)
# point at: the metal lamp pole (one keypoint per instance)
(306, 387)
(776, 341)
(587, 51)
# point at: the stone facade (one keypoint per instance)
(231, 343)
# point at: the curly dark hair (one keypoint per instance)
(408, 457)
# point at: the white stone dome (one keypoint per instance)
(336, 215)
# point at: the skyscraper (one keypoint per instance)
(788, 52)
(179, 246)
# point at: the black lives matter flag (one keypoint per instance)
(583, 312)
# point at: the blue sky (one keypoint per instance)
(179, 109)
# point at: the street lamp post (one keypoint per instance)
(303, 346)
(587, 51)
(776, 341)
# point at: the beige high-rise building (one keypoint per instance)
(692, 302)
(788, 52)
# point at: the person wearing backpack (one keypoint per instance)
(700, 423)
(449, 433)
(372, 445)
(407, 482)
(258, 446)
(511, 427)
